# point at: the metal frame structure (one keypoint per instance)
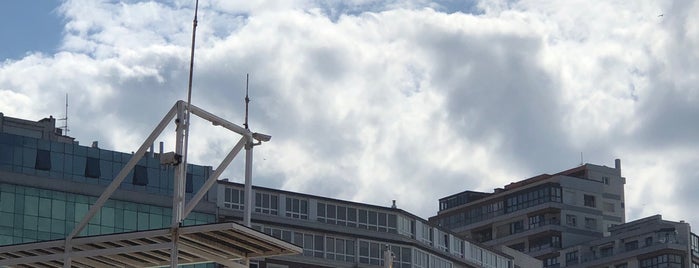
(178, 243)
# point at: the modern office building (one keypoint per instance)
(48, 181)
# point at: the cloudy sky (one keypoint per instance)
(379, 100)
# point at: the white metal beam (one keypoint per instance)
(211, 180)
(122, 174)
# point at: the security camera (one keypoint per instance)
(170, 158)
(261, 137)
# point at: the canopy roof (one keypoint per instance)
(223, 243)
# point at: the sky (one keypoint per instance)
(374, 101)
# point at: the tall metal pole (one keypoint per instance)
(178, 191)
(247, 208)
(248, 184)
(181, 149)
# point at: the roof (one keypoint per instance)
(220, 242)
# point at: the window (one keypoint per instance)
(370, 253)
(622, 265)
(536, 221)
(605, 180)
(606, 251)
(631, 245)
(695, 245)
(571, 220)
(339, 249)
(649, 241)
(92, 167)
(189, 183)
(571, 257)
(266, 203)
(516, 227)
(531, 197)
(590, 201)
(140, 175)
(551, 262)
(43, 160)
(590, 223)
(296, 208)
(665, 261)
(233, 198)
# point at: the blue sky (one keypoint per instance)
(379, 100)
(29, 26)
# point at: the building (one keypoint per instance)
(574, 218)
(645, 243)
(48, 181)
(337, 233)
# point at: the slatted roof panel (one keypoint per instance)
(223, 243)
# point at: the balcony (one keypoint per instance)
(593, 258)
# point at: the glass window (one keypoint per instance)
(140, 175)
(589, 201)
(189, 184)
(92, 167)
(43, 160)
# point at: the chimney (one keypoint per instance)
(152, 150)
(394, 204)
(161, 148)
(617, 164)
(94, 144)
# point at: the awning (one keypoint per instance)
(223, 243)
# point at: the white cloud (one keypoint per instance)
(373, 101)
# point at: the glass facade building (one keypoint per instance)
(29, 213)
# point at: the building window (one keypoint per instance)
(665, 260)
(296, 208)
(649, 241)
(92, 167)
(590, 201)
(571, 220)
(516, 227)
(631, 245)
(536, 221)
(551, 262)
(590, 223)
(189, 183)
(43, 160)
(695, 245)
(266, 203)
(606, 251)
(622, 265)
(339, 249)
(571, 258)
(233, 198)
(605, 180)
(529, 198)
(140, 175)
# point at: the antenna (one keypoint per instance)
(65, 126)
(247, 100)
(189, 88)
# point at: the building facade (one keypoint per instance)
(48, 181)
(646, 243)
(574, 218)
(337, 233)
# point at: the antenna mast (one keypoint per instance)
(247, 100)
(189, 88)
(65, 126)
